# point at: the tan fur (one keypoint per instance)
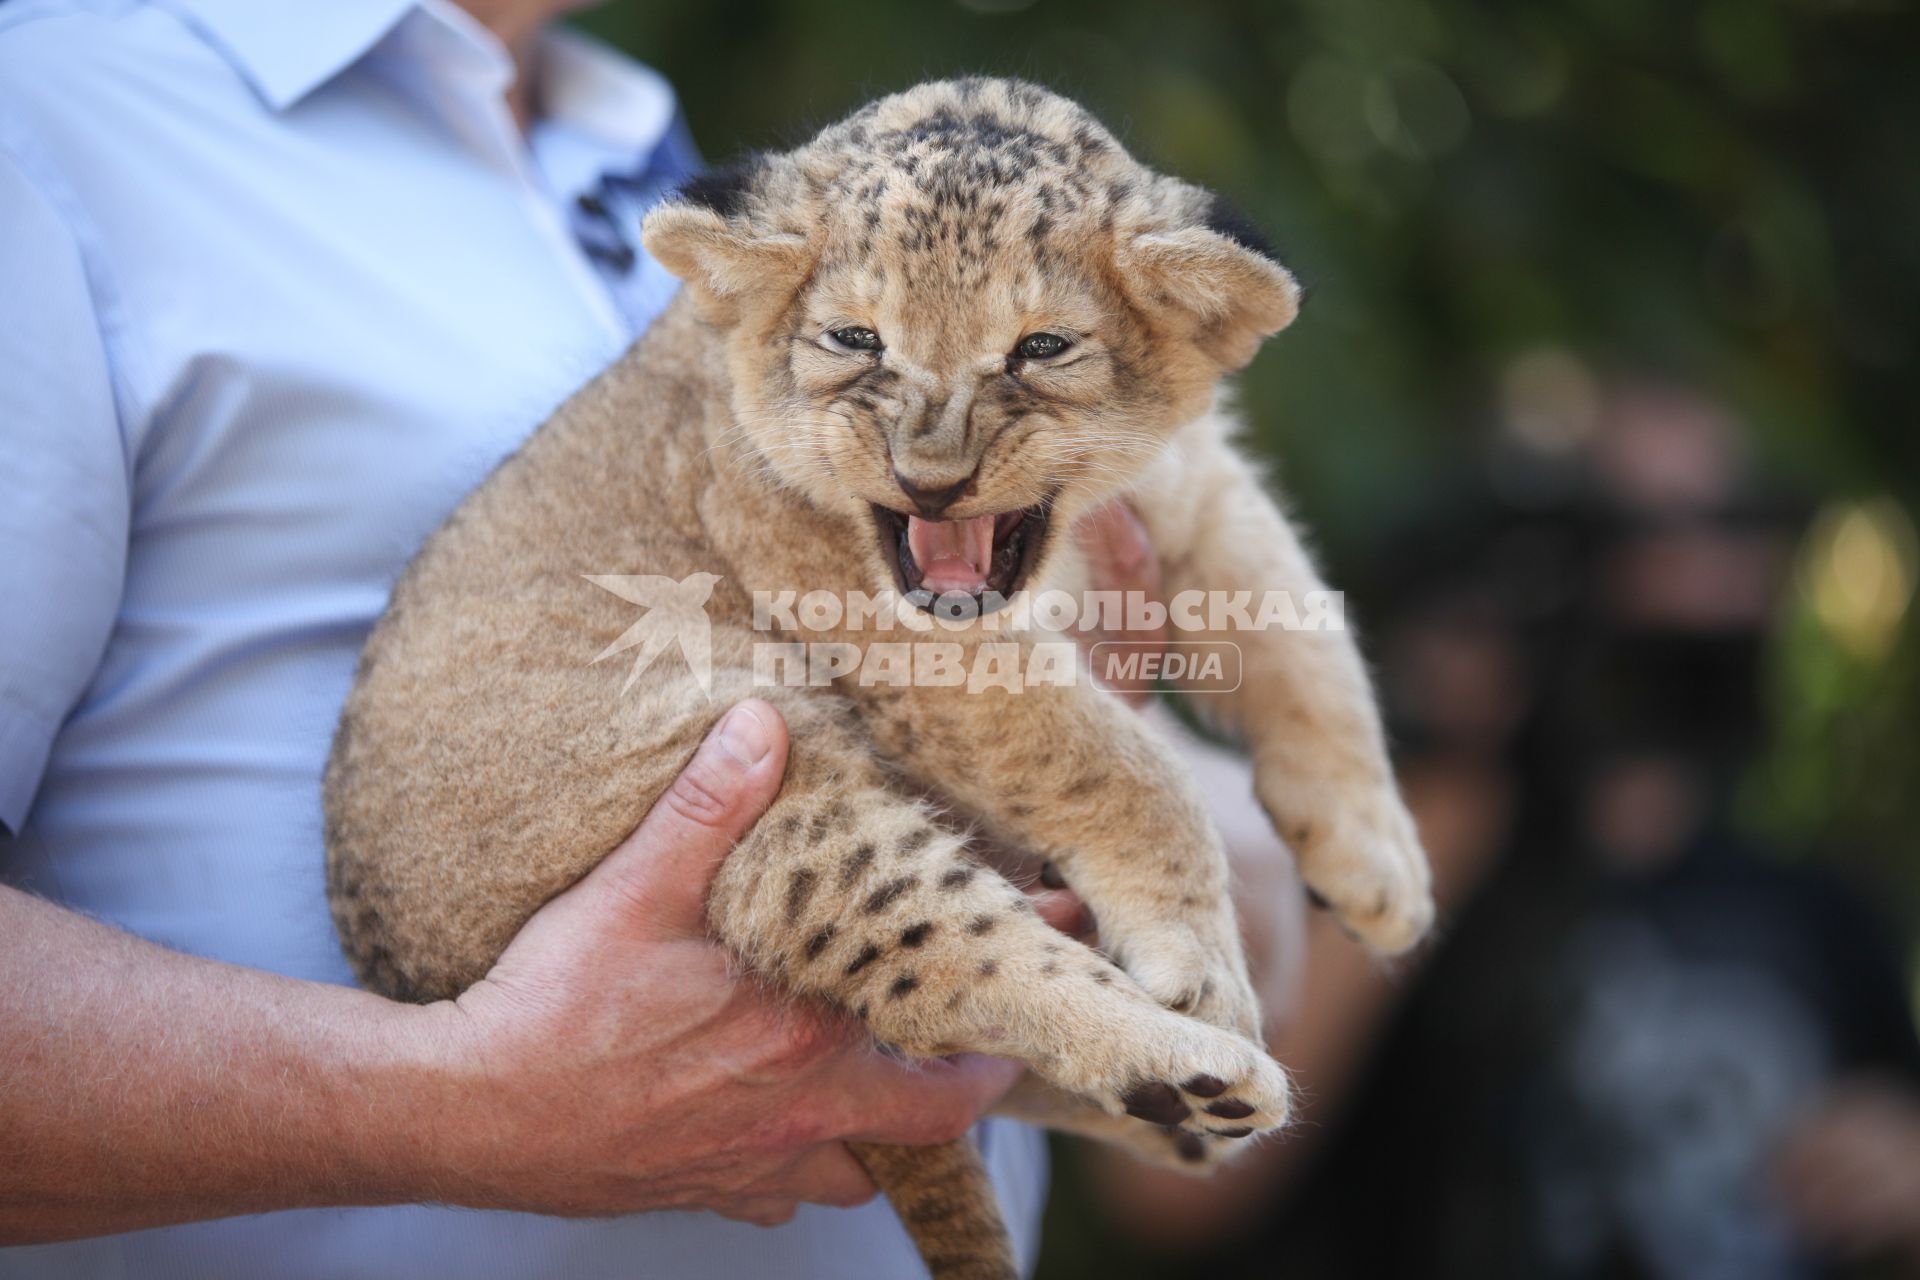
(943, 1195)
(483, 763)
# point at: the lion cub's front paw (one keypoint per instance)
(1358, 850)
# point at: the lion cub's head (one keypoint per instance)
(964, 314)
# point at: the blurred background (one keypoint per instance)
(1605, 412)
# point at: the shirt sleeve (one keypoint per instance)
(64, 486)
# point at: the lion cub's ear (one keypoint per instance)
(710, 234)
(1218, 273)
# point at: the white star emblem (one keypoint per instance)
(676, 613)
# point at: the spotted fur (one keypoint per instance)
(483, 763)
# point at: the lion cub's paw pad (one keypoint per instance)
(1186, 1152)
(1238, 1094)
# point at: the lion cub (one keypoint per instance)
(909, 355)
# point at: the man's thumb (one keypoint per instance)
(660, 873)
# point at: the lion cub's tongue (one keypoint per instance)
(953, 555)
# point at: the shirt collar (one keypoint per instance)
(587, 86)
(285, 48)
(598, 111)
(288, 48)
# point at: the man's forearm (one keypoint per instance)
(139, 1086)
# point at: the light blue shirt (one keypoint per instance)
(279, 284)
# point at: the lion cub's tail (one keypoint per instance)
(943, 1196)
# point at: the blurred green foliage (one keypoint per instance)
(1724, 192)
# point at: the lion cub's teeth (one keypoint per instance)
(953, 555)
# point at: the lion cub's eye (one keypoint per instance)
(856, 338)
(1041, 346)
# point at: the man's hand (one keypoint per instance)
(611, 1063)
(617, 1063)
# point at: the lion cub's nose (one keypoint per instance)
(931, 500)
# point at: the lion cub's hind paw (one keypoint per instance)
(1179, 1074)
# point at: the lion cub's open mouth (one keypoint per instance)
(984, 557)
